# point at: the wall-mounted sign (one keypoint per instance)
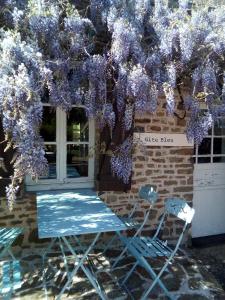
(163, 139)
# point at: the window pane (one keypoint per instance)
(50, 154)
(219, 127)
(205, 147)
(77, 125)
(219, 146)
(48, 127)
(203, 160)
(218, 159)
(77, 161)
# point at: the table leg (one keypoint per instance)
(80, 264)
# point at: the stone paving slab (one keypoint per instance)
(189, 278)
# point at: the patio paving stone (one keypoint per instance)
(190, 279)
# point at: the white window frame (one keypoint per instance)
(211, 155)
(62, 182)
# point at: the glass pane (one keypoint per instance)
(219, 128)
(218, 159)
(205, 147)
(219, 146)
(50, 154)
(48, 127)
(203, 160)
(77, 125)
(77, 161)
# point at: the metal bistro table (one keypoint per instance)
(67, 213)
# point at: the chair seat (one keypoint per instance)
(11, 276)
(147, 247)
(130, 223)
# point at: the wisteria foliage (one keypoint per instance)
(116, 58)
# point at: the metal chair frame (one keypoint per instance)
(11, 271)
(149, 194)
(144, 247)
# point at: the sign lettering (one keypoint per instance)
(163, 139)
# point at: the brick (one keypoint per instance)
(181, 122)
(175, 130)
(159, 160)
(142, 121)
(183, 189)
(182, 151)
(176, 159)
(141, 158)
(170, 182)
(169, 172)
(139, 166)
(155, 128)
(183, 166)
(148, 172)
(185, 171)
(158, 153)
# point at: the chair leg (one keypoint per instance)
(119, 258)
(129, 273)
(157, 280)
(109, 244)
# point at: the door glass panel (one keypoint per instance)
(50, 154)
(77, 125)
(203, 160)
(77, 161)
(205, 147)
(219, 128)
(219, 159)
(48, 127)
(219, 146)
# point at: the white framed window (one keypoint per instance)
(69, 145)
(212, 148)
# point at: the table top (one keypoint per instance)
(73, 212)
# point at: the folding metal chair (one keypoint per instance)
(149, 194)
(143, 248)
(10, 279)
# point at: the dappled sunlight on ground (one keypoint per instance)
(188, 278)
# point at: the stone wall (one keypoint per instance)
(169, 168)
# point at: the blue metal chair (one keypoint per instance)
(11, 272)
(149, 194)
(143, 248)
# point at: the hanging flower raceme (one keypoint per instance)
(95, 68)
(138, 88)
(121, 160)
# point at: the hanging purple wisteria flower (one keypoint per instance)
(121, 160)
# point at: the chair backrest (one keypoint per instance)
(148, 193)
(179, 208)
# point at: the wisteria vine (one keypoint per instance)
(117, 58)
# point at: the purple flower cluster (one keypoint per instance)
(120, 89)
(121, 160)
(128, 116)
(95, 68)
(198, 127)
(107, 117)
(138, 88)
